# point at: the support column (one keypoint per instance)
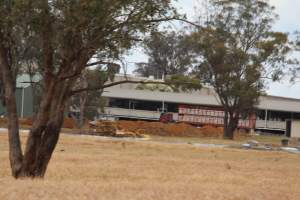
(266, 118)
(22, 103)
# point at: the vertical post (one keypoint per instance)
(266, 118)
(22, 103)
(163, 106)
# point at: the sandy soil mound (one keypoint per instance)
(172, 129)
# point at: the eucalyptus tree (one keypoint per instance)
(238, 49)
(87, 103)
(168, 54)
(66, 36)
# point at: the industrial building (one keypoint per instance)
(273, 113)
(129, 101)
(24, 97)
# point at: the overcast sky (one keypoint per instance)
(289, 15)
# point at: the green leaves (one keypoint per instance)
(174, 83)
(237, 49)
(183, 83)
(169, 53)
(80, 29)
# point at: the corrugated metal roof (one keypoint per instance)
(206, 96)
(266, 102)
(161, 96)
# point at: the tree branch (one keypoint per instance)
(188, 22)
(114, 84)
(100, 63)
(78, 73)
(170, 19)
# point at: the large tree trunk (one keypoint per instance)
(44, 135)
(15, 151)
(48, 144)
(52, 131)
(230, 125)
(7, 78)
(39, 125)
(40, 146)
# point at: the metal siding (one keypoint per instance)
(184, 98)
(279, 104)
(19, 100)
(265, 103)
(2, 109)
(28, 102)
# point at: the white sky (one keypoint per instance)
(289, 15)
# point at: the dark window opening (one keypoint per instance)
(143, 105)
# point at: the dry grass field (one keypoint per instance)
(91, 168)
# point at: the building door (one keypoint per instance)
(288, 128)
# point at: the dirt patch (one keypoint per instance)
(140, 128)
(69, 123)
(143, 128)
(3, 122)
(27, 122)
(22, 121)
(171, 129)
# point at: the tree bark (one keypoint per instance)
(39, 125)
(230, 125)
(7, 78)
(48, 144)
(44, 137)
(41, 144)
(15, 151)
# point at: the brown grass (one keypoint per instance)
(91, 168)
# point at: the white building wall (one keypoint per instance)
(295, 129)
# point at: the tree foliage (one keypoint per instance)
(87, 104)
(237, 49)
(62, 38)
(174, 83)
(168, 54)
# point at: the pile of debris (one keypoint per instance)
(109, 129)
(142, 128)
(255, 145)
(291, 145)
